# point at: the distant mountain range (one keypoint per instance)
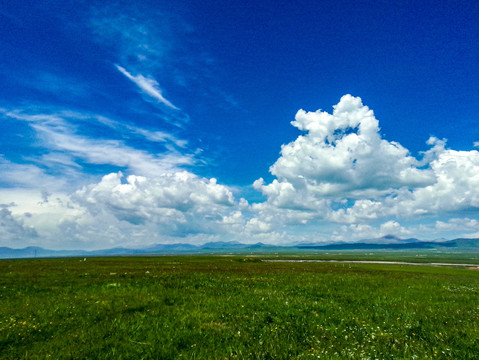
(388, 242)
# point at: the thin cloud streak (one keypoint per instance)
(150, 135)
(68, 150)
(148, 86)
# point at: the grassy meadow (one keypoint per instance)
(236, 307)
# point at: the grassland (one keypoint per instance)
(227, 307)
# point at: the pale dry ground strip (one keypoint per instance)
(372, 262)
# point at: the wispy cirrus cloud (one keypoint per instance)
(141, 38)
(148, 86)
(148, 134)
(162, 45)
(59, 134)
(112, 152)
(28, 175)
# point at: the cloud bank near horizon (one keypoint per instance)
(339, 180)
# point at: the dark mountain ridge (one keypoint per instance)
(388, 242)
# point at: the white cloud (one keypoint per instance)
(179, 201)
(340, 180)
(358, 232)
(149, 86)
(148, 134)
(394, 228)
(343, 153)
(13, 232)
(168, 202)
(160, 136)
(161, 44)
(28, 176)
(113, 152)
(456, 187)
(257, 226)
(342, 171)
(132, 212)
(458, 224)
(58, 134)
(45, 210)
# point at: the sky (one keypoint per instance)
(135, 123)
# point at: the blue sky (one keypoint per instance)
(128, 124)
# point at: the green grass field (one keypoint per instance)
(228, 307)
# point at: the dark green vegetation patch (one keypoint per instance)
(235, 307)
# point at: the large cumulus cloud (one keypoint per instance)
(341, 170)
(343, 153)
(176, 203)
